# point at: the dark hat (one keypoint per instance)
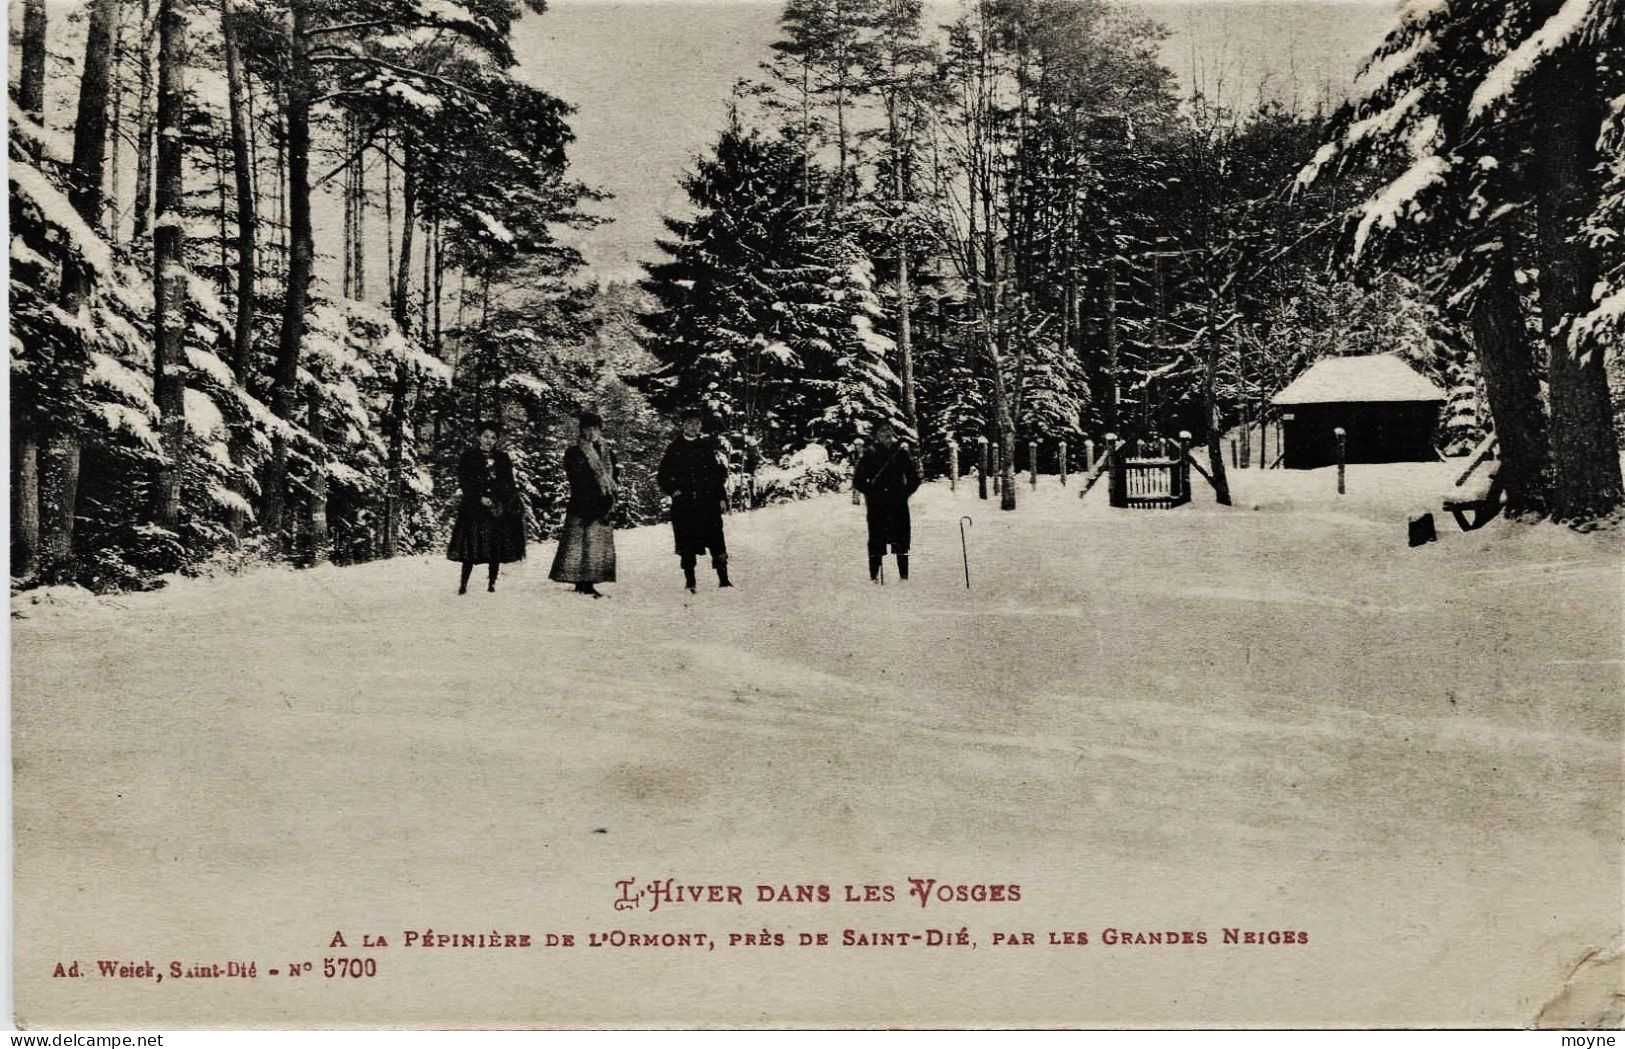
(488, 424)
(588, 417)
(691, 411)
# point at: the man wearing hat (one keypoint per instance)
(887, 476)
(692, 473)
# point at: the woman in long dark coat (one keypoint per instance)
(490, 528)
(587, 545)
(691, 472)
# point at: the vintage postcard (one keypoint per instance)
(817, 513)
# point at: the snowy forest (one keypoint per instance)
(272, 262)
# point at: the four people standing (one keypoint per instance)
(586, 553)
(693, 474)
(490, 519)
(490, 528)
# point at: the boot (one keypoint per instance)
(491, 579)
(722, 575)
(874, 569)
(902, 566)
(468, 570)
(688, 578)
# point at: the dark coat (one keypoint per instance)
(586, 552)
(692, 473)
(588, 500)
(483, 533)
(887, 477)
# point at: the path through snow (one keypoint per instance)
(1275, 716)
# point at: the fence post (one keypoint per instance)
(1235, 460)
(953, 464)
(857, 454)
(1032, 463)
(1184, 467)
(1342, 455)
(1088, 454)
(1114, 492)
(1062, 462)
(981, 468)
(998, 467)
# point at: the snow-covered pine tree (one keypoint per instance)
(1448, 102)
(857, 385)
(736, 300)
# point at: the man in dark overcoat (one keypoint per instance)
(693, 474)
(887, 475)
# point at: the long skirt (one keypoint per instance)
(586, 552)
(480, 538)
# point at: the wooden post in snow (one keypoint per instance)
(1182, 470)
(1342, 456)
(1061, 462)
(1032, 463)
(981, 468)
(857, 453)
(1088, 454)
(953, 464)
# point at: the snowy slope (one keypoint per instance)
(1275, 715)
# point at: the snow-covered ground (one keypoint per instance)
(1273, 716)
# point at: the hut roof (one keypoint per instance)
(1378, 378)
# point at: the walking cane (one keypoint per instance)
(963, 552)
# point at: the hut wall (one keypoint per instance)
(1378, 432)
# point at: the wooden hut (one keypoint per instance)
(1388, 410)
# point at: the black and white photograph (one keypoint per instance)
(817, 514)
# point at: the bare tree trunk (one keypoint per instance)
(806, 132)
(223, 238)
(114, 140)
(425, 290)
(359, 240)
(284, 392)
(59, 474)
(1210, 410)
(242, 343)
(1004, 426)
(1113, 386)
(401, 297)
(439, 289)
(1512, 387)
(321, 543)
(169, 265)
(905, 334)
(26, 502)
(403, 273)
(31, 80)
(281, 135)
(143, 151)
(1586, 482)
(389, 221)
(26, 498)
(347, 246)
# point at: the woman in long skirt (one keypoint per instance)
(587, 546)
(490, 528)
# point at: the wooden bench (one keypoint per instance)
(1485, 506)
